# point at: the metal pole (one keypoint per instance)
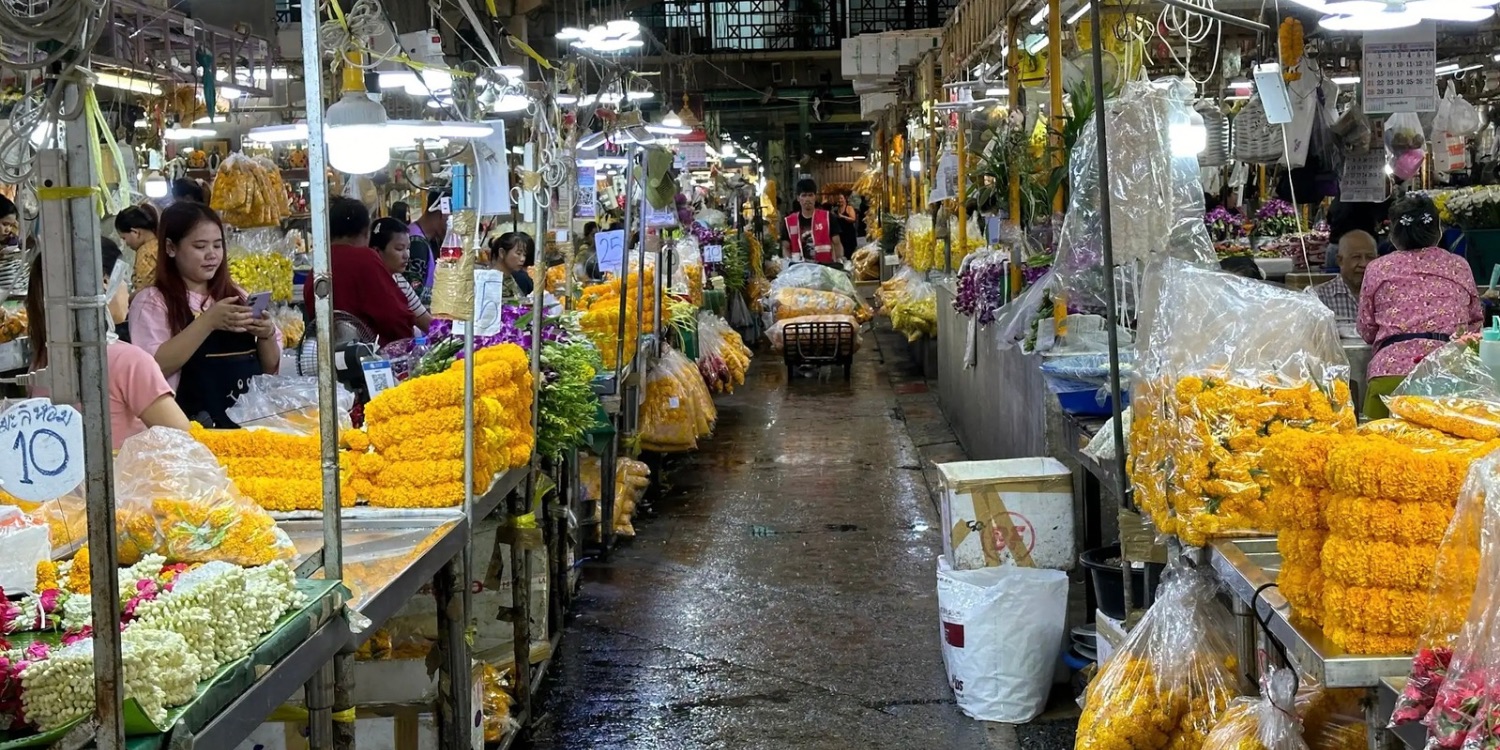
(624, 273)
(1055, 83)
(328, 426)
(1111, 312)
(85, 382)
(640, 276)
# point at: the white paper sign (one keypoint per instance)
(492, 172)
(489, 289)
(378, 375)
(661, 217)
(1399, 70)
(1363, 180)
(945, 181)
(609, 249)
(713, 253)
(43, 447)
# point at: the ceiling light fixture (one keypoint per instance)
(671, 119)
(1077, 14)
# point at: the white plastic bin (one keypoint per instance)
(1016, 511)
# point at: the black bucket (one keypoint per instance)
(1109, 583)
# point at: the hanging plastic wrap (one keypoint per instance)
(688, 272)
(918, 246)
(1156, 200)
(176, 500)
(867, 263)
(260, 260)
(1170, 682)
(1222, 363)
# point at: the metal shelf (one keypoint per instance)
(504, 483)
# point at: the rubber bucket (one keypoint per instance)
(1109, 583)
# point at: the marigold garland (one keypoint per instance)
(1464, 417)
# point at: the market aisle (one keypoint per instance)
(783, 597)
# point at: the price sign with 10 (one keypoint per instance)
(43, 443)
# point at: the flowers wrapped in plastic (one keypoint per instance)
(1451, 686)
(175, 499)
(723, 358)
(678, 408)
(918, 248)
(1452, 391)
(247, 193)
(815, 277)
(776, 332)
(260, 260)
(867, 263)
(1170, 682)
(1291, 716)
(631, 480)
(1223, 363)
(796, 302)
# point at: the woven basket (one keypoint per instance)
(1256, 140)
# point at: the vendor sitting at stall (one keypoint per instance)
(362, 284)
(392, 241)
(137, 227)
(10, 223)
(206, 338)
(1341, 295)
(1414, 300)
(139, 396)
(810, 235)
(510, 254)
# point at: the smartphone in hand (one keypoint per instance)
(259, 303)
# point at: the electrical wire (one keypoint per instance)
(67, 28)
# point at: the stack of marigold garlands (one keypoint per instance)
(1225, 363)
(416, 432)
(600, 304)
(1296, 462)
(280, 471)
(1169, 683)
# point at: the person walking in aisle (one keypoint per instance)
(207, 340)
(809, 234)
(1414, 300)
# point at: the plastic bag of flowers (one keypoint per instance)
(1291, 714)
(1222, 363)
(670, 419)
(776, 332)
(815, 277)
(1452, 391)
(175, 499)
(1170, 682)
(914, 312)
(867, 263)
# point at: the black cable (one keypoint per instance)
(1265, 626)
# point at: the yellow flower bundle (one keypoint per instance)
(796, 302)
(280, 471)
(415, 432)
(1169, 683)
(1472, 418)
(677, 409)
(1297, 462)
(200, 530)
(1327, 720)
(1394, 489)
(1197, 444)
(600, 321)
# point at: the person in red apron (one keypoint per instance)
(197, 323)
(808, 234)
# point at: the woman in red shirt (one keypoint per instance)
(362, 286)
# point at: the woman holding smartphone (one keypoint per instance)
(207, 335)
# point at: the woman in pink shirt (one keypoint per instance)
(1413, 300)
(139, 396)
(197, 323)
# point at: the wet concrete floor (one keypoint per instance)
(781, 592)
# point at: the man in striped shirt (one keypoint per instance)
(1341, 295)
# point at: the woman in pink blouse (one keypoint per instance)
(197, 323)
(1413, 300)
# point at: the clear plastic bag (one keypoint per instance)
(1405, 144)
(775, 332)
(286, 403)
(1452, 391)
(867, 263)
(176, 500)
(1156, 200)
(1170, 682)
(260, 260)
(913, 310)
(796, 302)
(678, 408)
(723, 358)
(815, 277)
(1222, 362)
(1268, 722)
(918, 246)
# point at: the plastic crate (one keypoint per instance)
(1081, 398)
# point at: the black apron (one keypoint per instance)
(216, 375)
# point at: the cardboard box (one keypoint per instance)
(1011, 512)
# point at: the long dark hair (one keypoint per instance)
(184, 189)
(36, 314)
(508, 242)
(180, 219)
(143, 217)
(385, 230)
